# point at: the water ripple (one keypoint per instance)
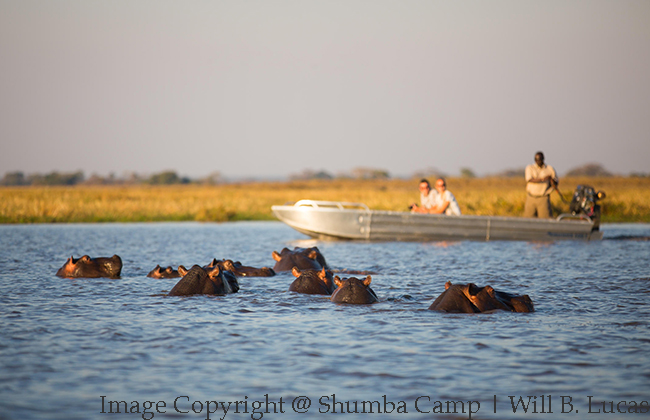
(66, 342)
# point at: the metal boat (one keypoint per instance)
(341, 220)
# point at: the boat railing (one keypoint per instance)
(341, 205)
(574, 216)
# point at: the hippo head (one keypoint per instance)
(353, 290)
(223, 273)
(470, 298)
(200, 281)
(244, 271)
(87, 267)
(303, 258)
(167, 273)
(225, 281)
(312, 282)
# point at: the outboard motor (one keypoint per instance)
(585, 201)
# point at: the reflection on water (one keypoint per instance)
(66, 343)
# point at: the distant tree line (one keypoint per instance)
(53, 178)
(172, 178)
(356, 173)
(586, 170)
(590, 169)
(78, 178)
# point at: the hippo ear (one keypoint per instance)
(337, 281)
(182, 270)
(214, 271)
(447, 285)
(276, 256)
(295, 271)
(313, 255)
(367, 281)
(322, 274)
(473, 289)
(157, 267)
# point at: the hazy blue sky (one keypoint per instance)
(269, 88)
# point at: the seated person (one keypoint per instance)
(427, 198)
(445, 202)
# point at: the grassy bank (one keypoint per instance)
(628, 199)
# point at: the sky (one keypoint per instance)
(265, 89)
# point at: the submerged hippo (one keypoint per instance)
(241, 270)
(167, 273)
(86, 267)
(312, 282)
(199, 281)
(353, 290)
(469, 298)
(303, 258)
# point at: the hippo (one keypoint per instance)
(312, 282)
(225, 273)
(303, 258)
(86, 267)
(199, 281)
(469, 298)
(167, 273)
(241, 270)
(353, 290)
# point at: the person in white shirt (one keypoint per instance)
(427, 198)
(541, 180)
(444, 202)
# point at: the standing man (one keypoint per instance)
(427, 198)
(540, 182)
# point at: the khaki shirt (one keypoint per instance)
(539, 189)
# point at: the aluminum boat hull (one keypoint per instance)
(333, 220)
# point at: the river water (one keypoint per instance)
(74, 348)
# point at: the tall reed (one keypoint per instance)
(628, 199)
